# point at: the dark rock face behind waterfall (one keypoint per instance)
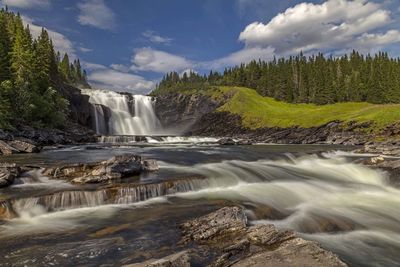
(183, 111)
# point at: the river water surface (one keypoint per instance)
(321, 192)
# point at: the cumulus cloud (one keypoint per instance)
(61, 42)
(120, 67)
(335, 24)
(242, 56)
(120, 81)
(111, 78)
(97, 14)
(27, 3)
(156, 38)
(148, 59)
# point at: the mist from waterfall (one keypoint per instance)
(128, 114)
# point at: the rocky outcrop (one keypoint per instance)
(115, 168)
(180, 259)
(231, 243)
(183, 110)
(388, 148)
(6, 149)
(8, 173)
(227, 124)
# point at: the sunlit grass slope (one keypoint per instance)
(258, 111)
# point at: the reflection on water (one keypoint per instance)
(325, 196)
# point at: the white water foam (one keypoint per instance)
(124, 120)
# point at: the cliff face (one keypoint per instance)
(183, 112)
(198, 115)
(79, 104)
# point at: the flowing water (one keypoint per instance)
(128, 114)
(321, 192)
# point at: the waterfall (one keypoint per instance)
(123, 114)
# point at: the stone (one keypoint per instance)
(214, 225)
(259, 245)
(227, 142)
(295, 252)
(8, 173)
(180, 259)
(150, 165)
(116, 167)
(267, 235)
(6, 149)
(24, 146)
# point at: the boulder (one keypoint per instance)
(227, 142)
(115, 168)
(6, 149)
(24, 146)
(228, 242)
(217, 224)
(180, 259)
(8, 173)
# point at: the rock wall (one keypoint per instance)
(182, 111)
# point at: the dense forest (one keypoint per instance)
(300, 79)
(30, 71)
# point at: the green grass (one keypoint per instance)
(258, 111)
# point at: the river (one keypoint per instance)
(321, 192)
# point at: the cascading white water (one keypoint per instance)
(122, 120)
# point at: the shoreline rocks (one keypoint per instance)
(225, 232)
(223, 238)
(8, 173)
(115, 168)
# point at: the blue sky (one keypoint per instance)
(129, 45)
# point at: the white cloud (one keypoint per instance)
(93, 66)
(61, 42)
(148, 59)
(97, 14)
(242, 56)
(84, 49)
(120, 67)
(333, 25)
(156, 38)
(120, 81)
(188, 72)
(27, 3)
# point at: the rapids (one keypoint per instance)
(321, 192)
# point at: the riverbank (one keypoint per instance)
(238, 112)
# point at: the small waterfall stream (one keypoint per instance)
(123, 114)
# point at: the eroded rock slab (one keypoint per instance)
(115, 168)
(180, 259)
(231, 243)
(24, 146)
(8, 173)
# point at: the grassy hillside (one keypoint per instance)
(258, 111)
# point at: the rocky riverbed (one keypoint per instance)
(215, 204)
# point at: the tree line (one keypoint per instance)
(299, 79)
(30, 71)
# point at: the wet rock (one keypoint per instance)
(294, 252)
(24, 146)
(180, 259)
(6, 149)
(115, 168)
(390, 148)
(231, 243)
(227, 142)
(8, 173)
(150, 165)
(268, 235)
(220, 223)
(374, 160)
